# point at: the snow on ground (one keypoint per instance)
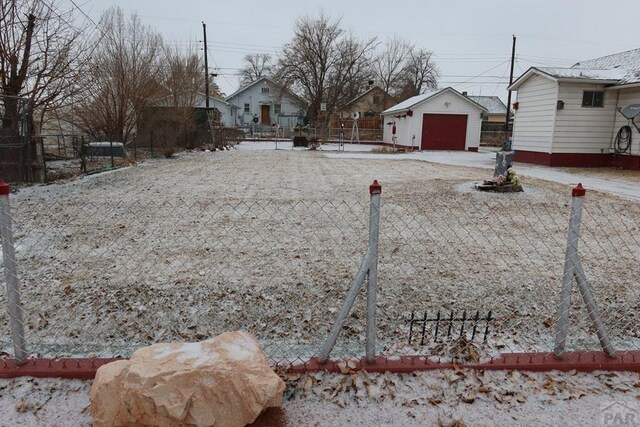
(187, 248)
(486, 159)
(445, 398)
(268, 241)
(288, 145)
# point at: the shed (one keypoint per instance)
(439, 120)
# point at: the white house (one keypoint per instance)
(269, 102)
(228, 112)
(571, 116)
(440, 120)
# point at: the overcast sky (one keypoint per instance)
(471, 40)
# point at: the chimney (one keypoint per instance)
(464, 93)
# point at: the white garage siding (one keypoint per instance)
(534, 118)
(581, 129)
(409, 126)
(627, 97)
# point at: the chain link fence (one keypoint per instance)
(460, 279)
(20, 156)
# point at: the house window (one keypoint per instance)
(247, 108)
(376, 100)
(592, 98)
(277, 108)
(265, 89)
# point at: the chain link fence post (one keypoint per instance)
(374, 228)
(11, 276)
(369, 263)
(573, 271)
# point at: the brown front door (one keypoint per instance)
(444, 131)
(264, 113)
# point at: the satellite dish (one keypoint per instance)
(630, 112)
(355, 115)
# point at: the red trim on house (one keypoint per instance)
(537, 362)
(578, 159)
(625, 162)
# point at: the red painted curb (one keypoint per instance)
(50, 368)
(535, 362)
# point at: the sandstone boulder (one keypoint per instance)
(224, 381)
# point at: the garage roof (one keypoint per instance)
(414, 101)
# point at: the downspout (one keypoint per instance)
(555, 116)
(613, 130)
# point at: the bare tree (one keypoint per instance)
(38, 51)
(390, 65)
(122, 78)
(257, 65)
(182, 80)
(323, 63)
(419, 74)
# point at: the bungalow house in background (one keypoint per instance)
(226, 113)
(494, 121)
(443, 119)
(268, 101)
(496, 110)
(572, 116)
(369, 104)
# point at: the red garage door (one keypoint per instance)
(444, 131)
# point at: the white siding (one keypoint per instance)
(255, 98)
(534, 118)
(581, 129)
(627, 97)
(409, 126)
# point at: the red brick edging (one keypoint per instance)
(84, 368)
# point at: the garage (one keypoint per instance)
(443, 131)
(443, 119)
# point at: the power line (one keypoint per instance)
(503, 75)
(216, 64)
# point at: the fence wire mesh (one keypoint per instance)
(103, 278)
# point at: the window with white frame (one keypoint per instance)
(265, 89)
(247, 108)
(277, 108)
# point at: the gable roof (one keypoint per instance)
(359, 97)
(199, 101)
(273, 82)
(493, 104)
(628, 62)
(202, 98)
(414, 101)
(618, 69)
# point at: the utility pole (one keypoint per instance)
(206, 67)
(513, 57)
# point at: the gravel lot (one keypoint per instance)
(268, 241)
